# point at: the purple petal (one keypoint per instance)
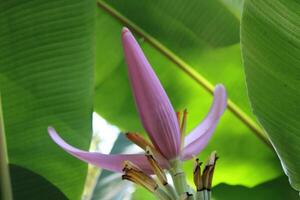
(156, 112)
(108, 162)
(199, 137)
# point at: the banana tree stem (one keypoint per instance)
(161, 194)
(178, 177)
(170, 189)
(200, 195)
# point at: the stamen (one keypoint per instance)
(129, 165)
(209, 170)
(134, 174)
(183, 127)
(197, 175)
(211, 174)
(139, 140)
(143, 179)
(178, 114)
(140, 182)
(212, 158)
(143, 143)
(159, 172)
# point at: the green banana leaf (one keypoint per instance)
(271, 52)
(27, 184)
(46, 78)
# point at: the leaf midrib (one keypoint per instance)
(186, 68)
(5, 186)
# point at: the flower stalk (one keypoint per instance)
(162, 195)
(171, 190)
(5, 180)
(186, 196)
(200, 195)
(178, 176)
(183, 127)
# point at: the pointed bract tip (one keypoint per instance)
(220, 87)
(51, 131)
(221, 93)
(125, 30)
(212, 158)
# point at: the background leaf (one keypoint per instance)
(113, 99)
(29, 185)
(46, 78)
(235, 6)
(215, 26)
(5, 182)
(276, 189)
(204, 34)
(271, 51)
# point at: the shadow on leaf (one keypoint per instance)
(29, 185)
(276, 189)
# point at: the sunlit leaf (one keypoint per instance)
(271, 52)
(46, 78)
(5, 182)
(235, 6)
(196, 24)
(29, 185)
